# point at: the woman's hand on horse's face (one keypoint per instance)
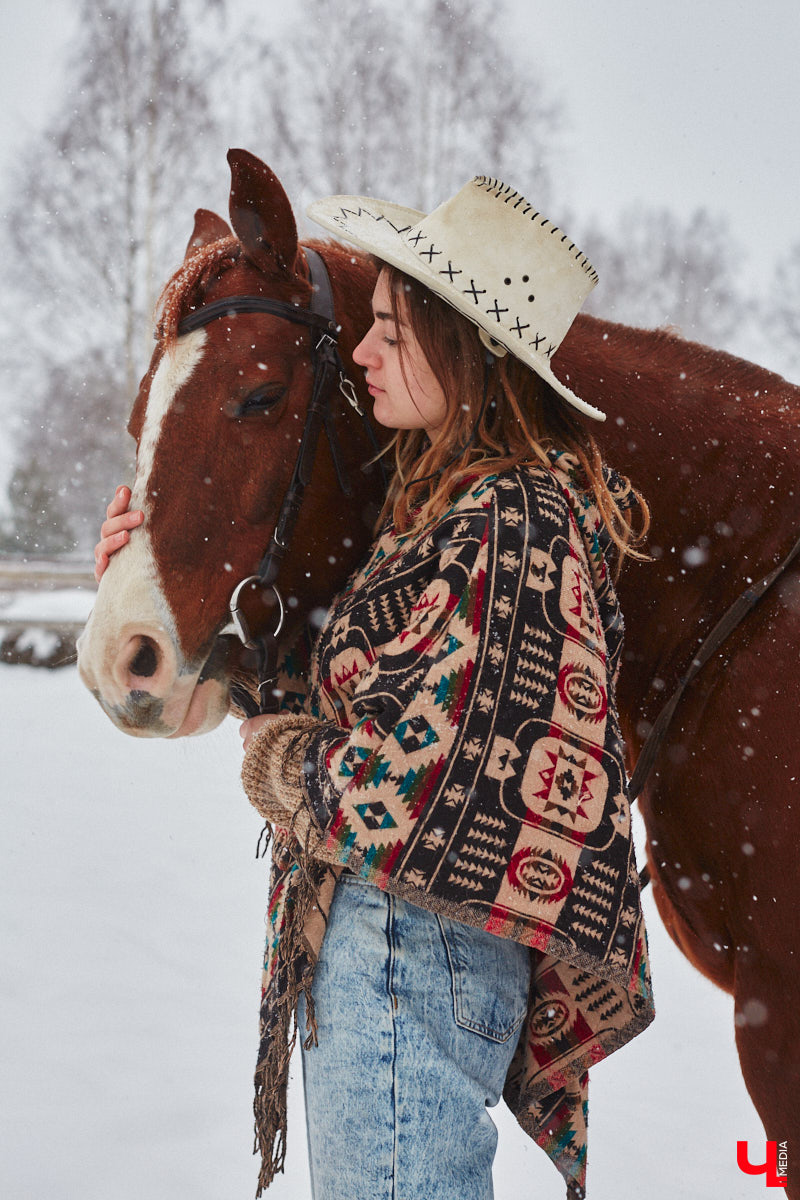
(114, 532)
(248, 729)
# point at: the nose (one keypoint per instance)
(146, 663)
(364, 354)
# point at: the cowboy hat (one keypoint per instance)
(490, 255)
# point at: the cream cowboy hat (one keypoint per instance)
(490, 255)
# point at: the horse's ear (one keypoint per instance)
(261, 214)
(208, 227)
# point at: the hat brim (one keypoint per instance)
(377, 226)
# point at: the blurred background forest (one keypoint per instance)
(391, 100)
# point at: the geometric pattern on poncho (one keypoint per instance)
(469, 758)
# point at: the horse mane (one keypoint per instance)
(192, 276)
(352, 265)
(207, 263)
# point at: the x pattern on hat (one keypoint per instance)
(540, 343)
(520, 279)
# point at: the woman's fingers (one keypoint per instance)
(249, 728)
(118, 524)
(115, 530)
(105, 548)
(122, 498)
(119, 504)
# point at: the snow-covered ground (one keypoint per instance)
(60, 604)
(130, 936)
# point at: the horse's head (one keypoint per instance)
(217, 421)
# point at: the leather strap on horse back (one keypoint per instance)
(740, 608)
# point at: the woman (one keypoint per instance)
(454, 906)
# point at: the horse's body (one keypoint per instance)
(711, 441)
(714, 444)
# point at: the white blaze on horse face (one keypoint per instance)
(129, 653)
(172, 374)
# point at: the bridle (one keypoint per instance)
(328, 370)
(730, 620)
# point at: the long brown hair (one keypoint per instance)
(519, 421)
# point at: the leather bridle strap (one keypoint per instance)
(231, 305)
(327, 366)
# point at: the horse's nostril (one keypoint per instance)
(145, 661)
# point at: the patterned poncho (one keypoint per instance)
(458, 745)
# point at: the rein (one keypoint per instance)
(734, 616)
(328, 370)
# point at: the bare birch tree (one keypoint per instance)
(406, 102)
(98, 218)
(104, 193)
(782, 311)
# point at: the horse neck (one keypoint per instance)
(711, 442)
(706, 436)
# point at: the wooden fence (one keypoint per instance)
(44, 574)
(34, 639)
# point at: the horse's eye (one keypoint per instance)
(261, 400)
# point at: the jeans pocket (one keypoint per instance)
(491, 979)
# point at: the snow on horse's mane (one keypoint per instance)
(194, 273)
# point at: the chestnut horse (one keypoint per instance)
(217, 421)
(713, 443)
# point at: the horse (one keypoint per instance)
(217, 419)
(710, 440)
(714, 443)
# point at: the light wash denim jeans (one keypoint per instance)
(418, 1020)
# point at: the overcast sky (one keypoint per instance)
(692, 103)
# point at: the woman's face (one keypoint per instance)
(406, 393)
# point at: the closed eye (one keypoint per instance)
(261, 400)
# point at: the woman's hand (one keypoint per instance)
(249, 728)
(114, 532)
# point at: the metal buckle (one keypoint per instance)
(238, 622)
(348, 390)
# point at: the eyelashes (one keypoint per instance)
(263, 399)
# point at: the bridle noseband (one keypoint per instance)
(328, 370)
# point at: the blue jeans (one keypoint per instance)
(418, 1019)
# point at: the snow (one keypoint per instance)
(42, 642)
(61, 604)
(133, 911)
